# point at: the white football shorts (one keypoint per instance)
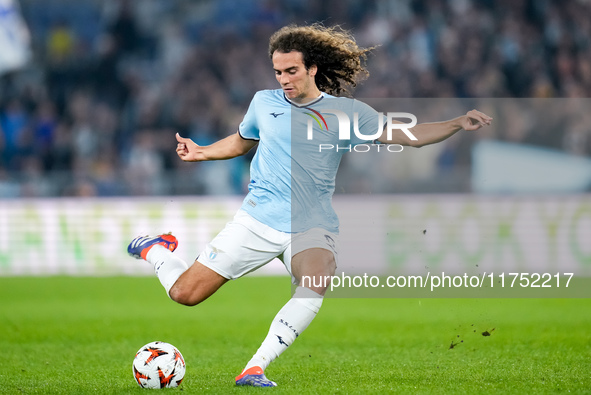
(246, 244)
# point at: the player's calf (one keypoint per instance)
(196, 285)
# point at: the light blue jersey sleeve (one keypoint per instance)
(249, 128)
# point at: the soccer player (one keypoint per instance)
(288, 212)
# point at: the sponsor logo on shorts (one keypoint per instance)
(331, 243)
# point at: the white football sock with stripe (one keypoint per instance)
(168, 267)
(287, 325)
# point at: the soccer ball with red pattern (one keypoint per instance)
(158, 365)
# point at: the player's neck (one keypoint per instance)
(312, 96)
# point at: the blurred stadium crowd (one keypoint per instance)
(110, 82)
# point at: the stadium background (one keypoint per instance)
(93, 112)
(87, 127)
(88, 111)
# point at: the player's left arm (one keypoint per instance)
(431, 133)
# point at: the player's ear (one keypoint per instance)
(312, 70)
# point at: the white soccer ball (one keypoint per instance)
(158, 365)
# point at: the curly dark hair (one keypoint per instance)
(340, 61)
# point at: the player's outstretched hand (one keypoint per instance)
(474, 120)
(186, 149)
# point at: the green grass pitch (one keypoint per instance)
(77, 335)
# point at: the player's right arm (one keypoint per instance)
(227, 148)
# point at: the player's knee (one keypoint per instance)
(328, 267)
(184, 296)
(331, 266)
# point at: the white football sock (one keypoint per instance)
(168, 267)
(287, 325)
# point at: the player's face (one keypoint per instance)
(296, 81)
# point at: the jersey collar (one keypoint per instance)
(305, 104)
